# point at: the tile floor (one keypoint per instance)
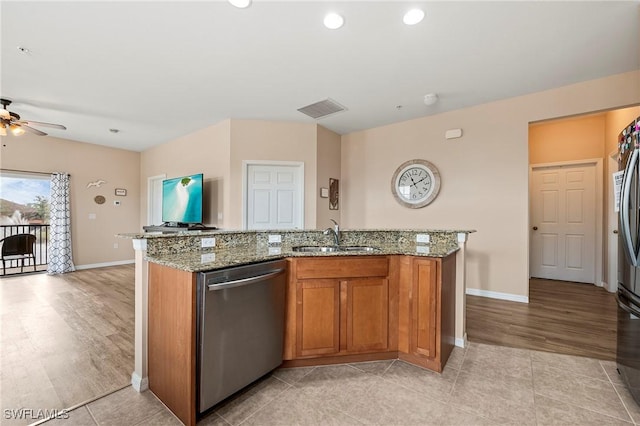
(481, 385)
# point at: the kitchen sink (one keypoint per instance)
(313, 249)
(357, 248)
(328, 249)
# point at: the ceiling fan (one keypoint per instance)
(12, 121)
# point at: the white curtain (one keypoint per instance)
(60, 258)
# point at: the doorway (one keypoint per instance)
(566, 199)
(273, 195)
(154, 199)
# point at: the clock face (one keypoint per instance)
(415, 183)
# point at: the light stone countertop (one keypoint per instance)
(183, 250)
(207, 260)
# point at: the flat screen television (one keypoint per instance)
(182, 200)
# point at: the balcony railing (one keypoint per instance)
(41, 252)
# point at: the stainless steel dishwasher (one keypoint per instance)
(240, 328)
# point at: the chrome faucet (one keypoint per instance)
(335, 231)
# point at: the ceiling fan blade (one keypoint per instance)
(40, 123)
(31, 129)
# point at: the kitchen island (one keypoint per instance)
(396, 300)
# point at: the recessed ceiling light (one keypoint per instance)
(114, 130)
(241, 3)
(413, 16)
(333, 21)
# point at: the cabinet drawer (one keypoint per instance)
(342, 267)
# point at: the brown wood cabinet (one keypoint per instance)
(339, 309)
(429, 306)
(172, 339)
(340, 306)
(317, 317)
(363, 308)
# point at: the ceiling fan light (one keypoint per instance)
(5, 114)
(16, 130)
(3, 130)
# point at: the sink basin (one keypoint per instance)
(328, 249)
(357, 248)
(314, 249)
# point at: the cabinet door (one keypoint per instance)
(317, 317)
(424, 309)
(367, 314)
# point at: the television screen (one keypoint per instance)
(182, 200)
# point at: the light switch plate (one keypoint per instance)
(422, 238)
(208, 242)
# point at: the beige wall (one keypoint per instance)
(219, 150)
(273, 141)
(577, 138)
(205, 151)
(484, 173)
(328, 167)
(93, 240)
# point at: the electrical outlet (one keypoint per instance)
(115, 245)
(275, 239)
(422, 238)
(208, 242)
(208, 257)
(275, 250)
(92, 216)
(422, 249)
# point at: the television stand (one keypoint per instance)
(168, 229)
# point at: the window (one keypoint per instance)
(24, 198)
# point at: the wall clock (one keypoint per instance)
(415, 183)
(99, 199)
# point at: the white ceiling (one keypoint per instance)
(159, 70)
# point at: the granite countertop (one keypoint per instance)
(215, 232)
(206, 260)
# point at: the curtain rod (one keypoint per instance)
(28, 171)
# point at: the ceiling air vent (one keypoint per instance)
(322, 109)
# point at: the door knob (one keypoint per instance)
(615, 231)
(535, 228)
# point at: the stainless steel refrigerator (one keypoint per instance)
(628, 347)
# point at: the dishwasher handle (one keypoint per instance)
(244, 281)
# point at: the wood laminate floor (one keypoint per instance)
(561, 317)
(65, 339)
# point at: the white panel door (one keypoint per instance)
(274, 195)
(563, 223)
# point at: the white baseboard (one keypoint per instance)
(610, 288)
(104, 265)
(138, 383)
(462, 341)
(497, 295)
